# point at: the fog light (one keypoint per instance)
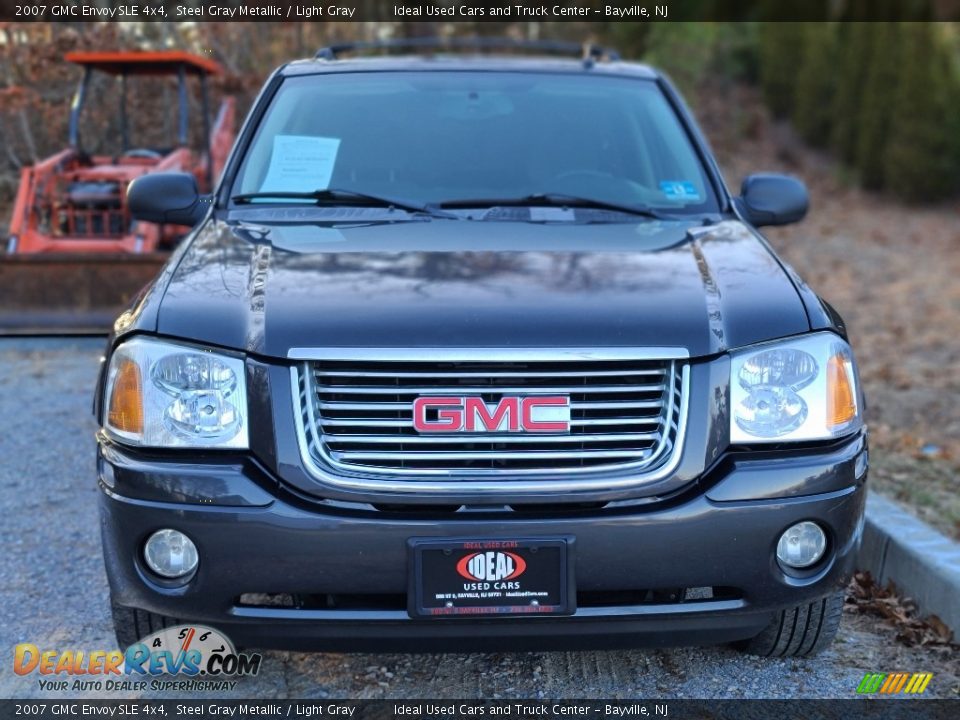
(170, 554)
(801, 545)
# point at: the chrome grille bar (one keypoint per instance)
(498, 374)
(405, 406)
(503, 455)
(408, 423)
(357, 415)
(480, 389)
(482, 439)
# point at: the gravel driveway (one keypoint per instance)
(55, 593)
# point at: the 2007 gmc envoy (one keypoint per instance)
(476, 351)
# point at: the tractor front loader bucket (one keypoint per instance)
(54, 294)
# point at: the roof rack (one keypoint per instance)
(588, 52)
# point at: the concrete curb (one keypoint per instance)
(923, 564)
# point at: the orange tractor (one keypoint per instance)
(74, 254)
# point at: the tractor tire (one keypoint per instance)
(804, 630)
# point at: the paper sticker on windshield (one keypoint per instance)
(301, 163)
(681, 190)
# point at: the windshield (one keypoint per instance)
(443, 137)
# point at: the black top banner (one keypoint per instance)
(474, 10)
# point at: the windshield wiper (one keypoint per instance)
(353, 197)
(555, 200)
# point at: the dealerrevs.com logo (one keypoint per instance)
(201, 657)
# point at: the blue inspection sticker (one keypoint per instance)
(682, 190)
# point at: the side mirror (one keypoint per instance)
(167, 198)
(769, 199)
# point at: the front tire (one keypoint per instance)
(132, 625)
(803, 630)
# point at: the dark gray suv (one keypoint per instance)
(474, 351)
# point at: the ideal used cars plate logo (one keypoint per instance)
(491, 566)
(204, 657)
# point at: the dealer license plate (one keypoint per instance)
(455, 578)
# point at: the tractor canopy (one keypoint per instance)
(124, 64)
(160, 62)
(75, 257)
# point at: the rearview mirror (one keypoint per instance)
(770, 199)
(167, 198)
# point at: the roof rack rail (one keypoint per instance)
(588, 52)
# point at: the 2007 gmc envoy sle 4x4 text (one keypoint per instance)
(476, 351)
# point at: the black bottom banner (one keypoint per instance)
(895, 709)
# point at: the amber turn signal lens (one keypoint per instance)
(126, 400)
(841, 402)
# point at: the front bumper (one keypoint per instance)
(255, 537)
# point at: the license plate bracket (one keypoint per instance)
(493, 577)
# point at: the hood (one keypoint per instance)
(268, 288)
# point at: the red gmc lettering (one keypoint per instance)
(475, 407)
(449, 414)
(472, 414)
(531, 425)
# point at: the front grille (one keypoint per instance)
(358, 416)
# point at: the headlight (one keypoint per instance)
(801, 389)
(164, 395)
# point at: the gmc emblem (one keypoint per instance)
(529, 414)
